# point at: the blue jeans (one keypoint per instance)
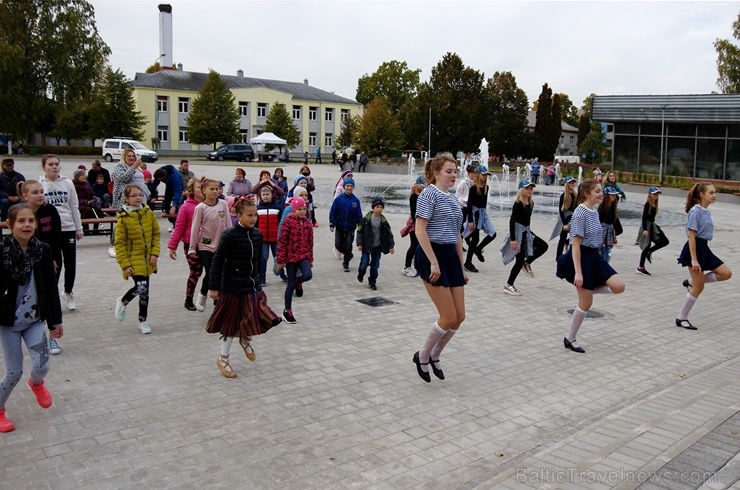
(266, 247)
(292, 269)
(371, 258)
(4, 206)
(606, 253)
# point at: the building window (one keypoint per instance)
(163, 134)
(329, 115)
(261, 110)
(296, 112)
(162, 101)
(345, 114)
(312, 113)
(245, 135)
(311, 139)
(572, 139)
(329, 140)
(183, 135)
(183, 105)
(244, 109)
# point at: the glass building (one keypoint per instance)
(692, 135)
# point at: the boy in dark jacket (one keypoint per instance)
(345, 215)
(268, 222)
(374, 236)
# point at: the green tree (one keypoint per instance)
(113, 109)
(457, 96)
(350, 128)
(593, 143)
(50, 49)
(588, 105)
(71, 123)
(379, 133)
(728, 62)
(548, 126)
(393, 81)
(569, 110)
(507, 106)
(214, 116)
(280, 123)
(584, 127)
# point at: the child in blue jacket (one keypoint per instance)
(345, 215)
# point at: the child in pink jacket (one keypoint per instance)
(295, 252)
(183, 225)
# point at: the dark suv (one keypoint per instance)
(238, 152)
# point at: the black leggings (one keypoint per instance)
(140, 289)
(69, 260)
(540, 247)
(562, 244)
(206, 259)
(662, 242)
(473, 246)
(412, 248)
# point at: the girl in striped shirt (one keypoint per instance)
(439, 260)
(696, 254)
(582, 265)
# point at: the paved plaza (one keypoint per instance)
(334, 401)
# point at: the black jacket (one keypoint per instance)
(50, 310)
(365, 234)
(236, 264)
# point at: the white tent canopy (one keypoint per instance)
(267, 139)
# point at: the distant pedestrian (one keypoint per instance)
(582, 265)
(696, 253)
(363, 161)
(334, 157)
(318, 156)
(305, 158)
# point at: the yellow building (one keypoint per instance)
(165, 98)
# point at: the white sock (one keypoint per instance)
(710, 277)
(575, 323)
(603, 289)
(226, 346)
(437, 350)
(434, 335)
(688, 303)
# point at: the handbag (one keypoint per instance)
(408, 228)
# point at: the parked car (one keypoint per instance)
(113, 149)
(238, 152)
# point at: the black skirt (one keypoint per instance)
(707, 260)
(596, 271)
(450, 270)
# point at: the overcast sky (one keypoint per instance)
(579, 48)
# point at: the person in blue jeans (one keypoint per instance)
(374, 238)
(345, 214)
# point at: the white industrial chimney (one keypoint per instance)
(165, 35)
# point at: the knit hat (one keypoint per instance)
(377, 201)
(300, 178)
(77, 173)
(297, 202)
(349, 181)
(81, 167)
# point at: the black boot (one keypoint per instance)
(189, 304)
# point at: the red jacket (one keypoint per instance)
(295, 242)
(269, 221)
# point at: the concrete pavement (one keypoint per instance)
(334, 401)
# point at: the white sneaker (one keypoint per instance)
(144, 328)
(54, 347)
(200, 303)
(112, 251)
(512, 290)
(409, 272)
(337, 253)
(120, 309)
(69, 301)
(170, 229)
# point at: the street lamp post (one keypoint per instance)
(429, 142)
(662, 137)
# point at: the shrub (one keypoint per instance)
(69, 150)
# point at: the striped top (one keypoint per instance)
(443, 212)
(585, 224)
(700, 220)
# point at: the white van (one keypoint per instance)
(113, 149)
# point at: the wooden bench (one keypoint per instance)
(101, 231)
